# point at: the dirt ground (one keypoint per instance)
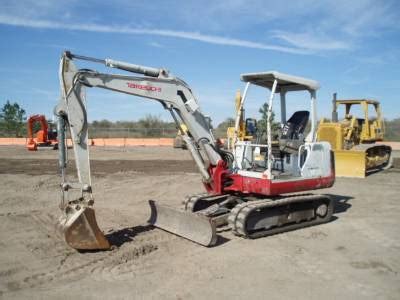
(355, 256)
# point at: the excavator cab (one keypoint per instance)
(251, 127)
(292, 155)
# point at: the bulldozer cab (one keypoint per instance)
(367, 123)
(247, 128)
(251, 127)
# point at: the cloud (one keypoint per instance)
(311, 41)
(362, 18)
(156, 45)
(210, 39)
(319, 27)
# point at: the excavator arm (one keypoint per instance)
(78, 224)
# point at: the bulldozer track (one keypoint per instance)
(238, 216)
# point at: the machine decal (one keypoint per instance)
(143, 87)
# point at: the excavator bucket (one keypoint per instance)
(350, 163)
(80, 230)
(192, 226)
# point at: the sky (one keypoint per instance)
(350, 47)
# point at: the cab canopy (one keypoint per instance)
(285, 82)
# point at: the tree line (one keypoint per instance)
(13, 124)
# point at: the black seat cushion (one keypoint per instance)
(292, 132)
(295, 125)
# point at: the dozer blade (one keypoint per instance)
(80, 230)
(194, 227)
(350, 163)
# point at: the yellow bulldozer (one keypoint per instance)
(178, 140)
(246, 127)
(354, 138)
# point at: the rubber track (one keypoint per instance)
(238, 216)
(192, 199)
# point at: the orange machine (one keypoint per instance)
(44, 137)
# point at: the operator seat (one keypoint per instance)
(292, 135)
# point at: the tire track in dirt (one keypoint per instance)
(55, 261)
(130, 246)
(75, 269)
(143, 241)
(107, 265)
(124, 258)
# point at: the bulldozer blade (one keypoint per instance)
(192, 226)
(349, 163)
(81, 232)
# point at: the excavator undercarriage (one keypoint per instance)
(253, 217)
(254, 197)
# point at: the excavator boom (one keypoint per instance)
(78, 224)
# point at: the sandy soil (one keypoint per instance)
(356, 256)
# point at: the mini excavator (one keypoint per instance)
(45, 138)
(255, 198)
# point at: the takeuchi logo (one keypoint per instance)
(143, 87)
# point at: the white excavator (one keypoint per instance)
(254, 189)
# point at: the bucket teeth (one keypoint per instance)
(80, 230)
